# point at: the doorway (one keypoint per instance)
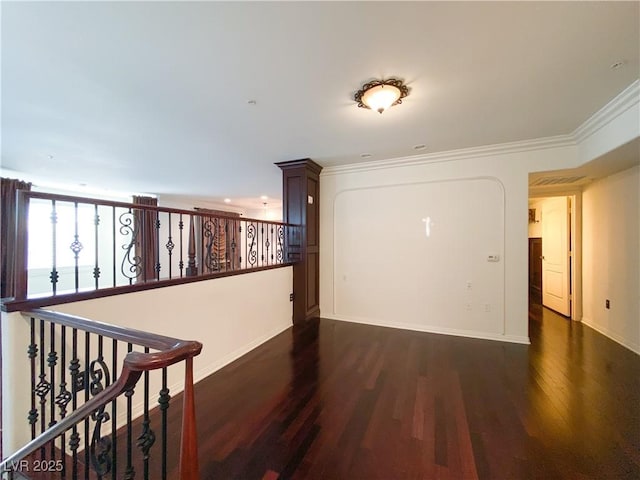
(554, 242)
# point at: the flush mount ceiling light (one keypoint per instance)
(379, 95)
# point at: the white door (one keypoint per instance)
(555, 254)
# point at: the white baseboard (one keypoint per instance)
(430, 329)
(635, 348)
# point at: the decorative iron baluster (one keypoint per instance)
(87, 356)
(52, 361)
(181, 264)
(147, 438)
(76, 247)
(252, 249)
(101, 448)
(113, 244)
(33, 354)
(64, 397)
(114, 411)
(270, 243)
(240, 248)
(163, 401)
(54, 276)
(96, 268)
(262, 243)
(144, 258)
(130, 472)
(157, 265)
(280, 244)
(170, 245)
(74, 369)
(43, 387)
(131, 263)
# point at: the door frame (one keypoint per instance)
(575, 233)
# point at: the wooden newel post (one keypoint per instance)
(189, 467)
(192, 269)
(301, 207)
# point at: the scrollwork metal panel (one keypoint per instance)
(146, 439)
(131, 266)
(210, 234)
(280, 244)
(252, 248)
(101, 451)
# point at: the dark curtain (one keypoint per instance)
(8, 232)
(147, 241)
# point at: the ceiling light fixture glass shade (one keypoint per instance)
(379, 95)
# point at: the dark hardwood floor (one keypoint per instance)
(334, 400)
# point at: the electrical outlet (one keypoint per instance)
(291, 297)
(467, 306)
(487, 307)
(469, 285)
(607, 304)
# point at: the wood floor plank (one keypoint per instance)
(332, 400)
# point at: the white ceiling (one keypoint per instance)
(152, 97)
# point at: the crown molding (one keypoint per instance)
(622, 102)
(452, 155)
(626, 99)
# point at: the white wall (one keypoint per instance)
(611, 256)
(15, 382)
(229, 315)
(505, 291)
(422, 246)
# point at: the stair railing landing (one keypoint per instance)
(74, 248)
(91, 412)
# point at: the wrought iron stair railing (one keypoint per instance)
(85, 386)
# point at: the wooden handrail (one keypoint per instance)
(124, 334)
(171, 351)
(134, 206)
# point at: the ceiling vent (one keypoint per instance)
(557, 180)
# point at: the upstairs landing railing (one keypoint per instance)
(72, 248)
(85, 392)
